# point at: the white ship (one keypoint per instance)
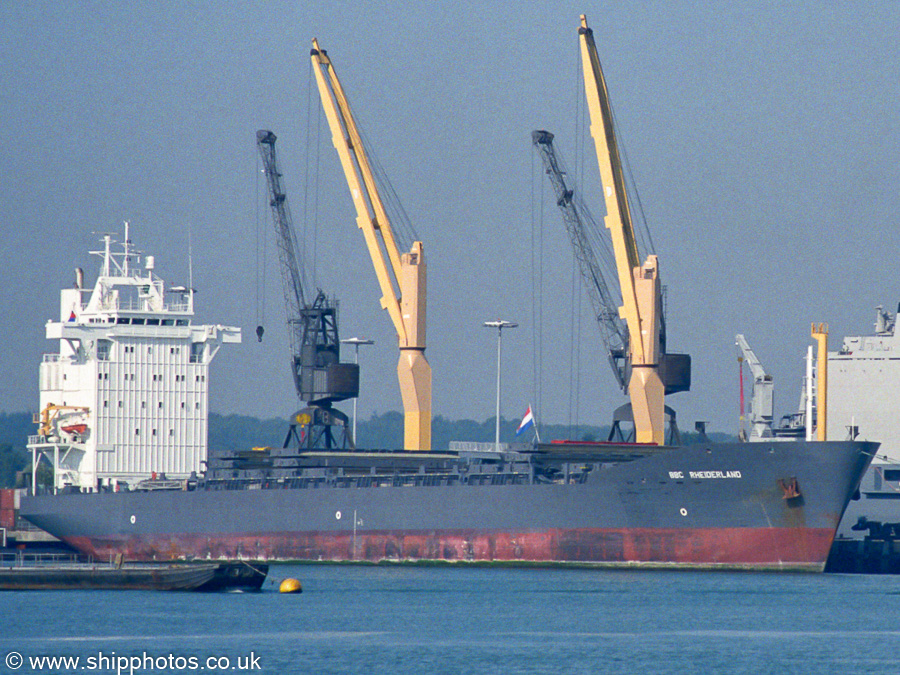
(125, 398)
(863, 396)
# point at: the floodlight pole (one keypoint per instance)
(356, 342)
(499, 325)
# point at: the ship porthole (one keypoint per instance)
(683, 511)
(337, 515)
(133, 520)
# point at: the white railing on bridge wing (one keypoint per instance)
(141, 306)
(473, 446)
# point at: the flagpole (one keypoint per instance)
(537, 434)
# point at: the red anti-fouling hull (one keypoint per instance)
(733, 505)
(752, 548)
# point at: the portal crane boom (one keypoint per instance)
(400, 277)
(319, 377)
(762, 402)
(576, 220)
(749, 356)
(640, 284)
(286, 240)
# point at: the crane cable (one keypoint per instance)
(641, 227)
(314, 216)
(260, 266)
(741, 428)
(572, 363)
(577, 318)
(401, 224)
(537, 326)
(306, 163)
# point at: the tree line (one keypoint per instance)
(380, 431)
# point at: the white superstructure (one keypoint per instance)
(126, 396)
(864, 388)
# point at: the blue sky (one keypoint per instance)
(763, 138)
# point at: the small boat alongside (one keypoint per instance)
(56, 573)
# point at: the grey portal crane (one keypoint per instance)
(762, 402)
(319, 377)
(586, 238)
(581, 226)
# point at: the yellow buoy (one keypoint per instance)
(290, 586)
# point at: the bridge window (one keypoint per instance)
(103, 349)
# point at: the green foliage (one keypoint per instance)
(241, 432)
(44, 474)
(385, 431)
(14, 431)
(15, 428)
(11, 460)
(380, 431)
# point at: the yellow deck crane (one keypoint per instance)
(401, 277)
(641, 291)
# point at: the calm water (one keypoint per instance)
(459, 620)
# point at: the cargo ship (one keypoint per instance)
(123, 426)
(734, 506)
(862, 376)
(863, 383)
(123, 409)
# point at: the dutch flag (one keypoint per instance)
(527, 422)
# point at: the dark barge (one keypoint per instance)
(27, 573)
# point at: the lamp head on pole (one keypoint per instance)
(357, 341)
(499, 324)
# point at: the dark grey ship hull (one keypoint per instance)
(740, 505)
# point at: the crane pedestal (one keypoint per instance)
(319, 428)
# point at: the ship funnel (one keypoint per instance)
(149, 262)
(79, 277)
